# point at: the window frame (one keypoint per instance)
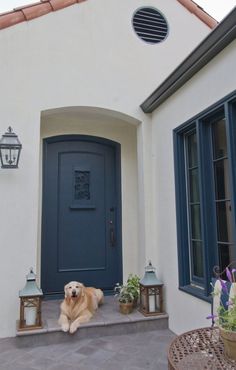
(202, 124)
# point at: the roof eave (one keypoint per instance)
(199, 12)
(213, 44)
(42, 7)
(32, 11)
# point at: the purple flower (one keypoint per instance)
(211, 317)
(229, 276)
(224, 286)
(229, 303)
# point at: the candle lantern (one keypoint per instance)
(151, 294)
(10, 148)
(30, 304)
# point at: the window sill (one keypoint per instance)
(198, 293)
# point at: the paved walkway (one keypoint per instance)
(145, 350)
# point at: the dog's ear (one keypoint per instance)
(65, 290)
(82, 289)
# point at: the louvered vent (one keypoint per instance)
(150, 25)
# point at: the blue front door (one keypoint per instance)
(81, 236)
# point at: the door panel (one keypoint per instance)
(81, 200)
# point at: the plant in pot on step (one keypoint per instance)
(224, 297)
(125, 298)
(133, 286)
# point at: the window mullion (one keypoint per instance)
(207, 201)
(181, 210)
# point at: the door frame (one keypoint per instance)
(91, 139)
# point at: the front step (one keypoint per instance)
(106, 321)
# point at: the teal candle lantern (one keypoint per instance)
(151, 293)
(30, 304)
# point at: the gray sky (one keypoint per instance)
(217, 8)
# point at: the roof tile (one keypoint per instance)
(32, 12)
(10, 19)
(60, 4)
(28, 12)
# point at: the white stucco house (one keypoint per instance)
(110, 176)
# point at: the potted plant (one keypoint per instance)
(226, 315)
(133, 286)
(125, 298)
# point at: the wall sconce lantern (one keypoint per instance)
(10, 148)
(151, 294)
(30, 304)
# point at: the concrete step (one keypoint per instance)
(106, 321)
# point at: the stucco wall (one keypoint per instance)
(84, 55)
(89, 55)
(212, 83)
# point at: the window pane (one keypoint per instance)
(224, 255)
(222, 179)
(194, 217)
(197, 259)
(194, 187)
(192, 150)
(224, 221)
(195, 221)
(219, 139)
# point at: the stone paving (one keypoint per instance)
(147, 350)
(110, 341)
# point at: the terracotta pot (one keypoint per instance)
(229, 340)
(126, 308)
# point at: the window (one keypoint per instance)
(205, 174)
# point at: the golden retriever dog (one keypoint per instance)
(78, 306)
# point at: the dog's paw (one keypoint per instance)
(73, 327)
(65, 327)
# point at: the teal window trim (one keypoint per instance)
(202, 124)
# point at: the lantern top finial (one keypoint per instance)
(31, 289)
(10, 132)
(31, 275)
(150, 278)
(149, 267)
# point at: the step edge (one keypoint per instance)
(47, 329)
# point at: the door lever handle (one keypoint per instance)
(112, 236)
(112, 229)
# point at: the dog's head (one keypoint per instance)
(74, 290)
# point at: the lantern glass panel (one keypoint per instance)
(30, 312)
(9, 156)
(154, 300)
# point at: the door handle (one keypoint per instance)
(112, 237)
(112, 229)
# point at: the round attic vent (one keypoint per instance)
(150, 25)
